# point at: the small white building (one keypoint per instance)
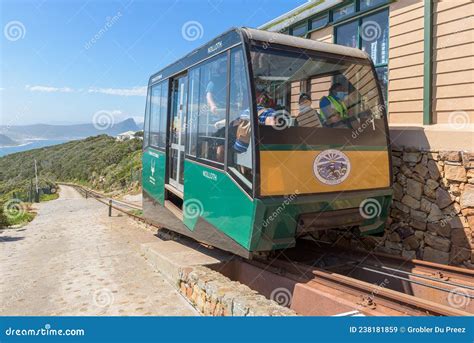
(126, 136)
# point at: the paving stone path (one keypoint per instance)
(73, 259)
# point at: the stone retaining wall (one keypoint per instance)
(216, 295)
(432, 215)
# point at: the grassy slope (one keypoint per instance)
(99, 162)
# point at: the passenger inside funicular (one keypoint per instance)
(316, 92)
(307, 115)
(334, 111)
(215, 99)
(334, 108)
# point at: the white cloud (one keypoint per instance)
(135, 91)
(48, 89)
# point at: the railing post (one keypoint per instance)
(110, 208)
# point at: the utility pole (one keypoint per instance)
(36, 181)
(30, 195)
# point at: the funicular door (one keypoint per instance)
(178, 132)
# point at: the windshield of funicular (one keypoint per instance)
(298, 89)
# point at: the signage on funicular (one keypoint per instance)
(156, 78)
(331, 167)
(214, 47)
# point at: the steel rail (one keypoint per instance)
(455, 284)
(418, 282)
(361, 286)
(400, 271)
(420, 265)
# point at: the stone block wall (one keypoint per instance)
(213, 294)
(432, 214)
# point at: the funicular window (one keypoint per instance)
(193, 111)
(212, 110)
(163, 115)
(158, 114)
(324, 93)
(240, 127)
(155, 115)
(146, 124)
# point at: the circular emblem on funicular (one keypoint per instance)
(331, 167)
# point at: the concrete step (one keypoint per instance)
(170, 257)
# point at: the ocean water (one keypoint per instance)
(29, 145)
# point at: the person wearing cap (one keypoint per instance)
(334, 108)
(307, 116)
(265, 112)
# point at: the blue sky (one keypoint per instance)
(63, 61)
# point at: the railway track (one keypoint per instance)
(318, 279)
(333, 281)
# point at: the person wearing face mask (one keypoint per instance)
(307, 116)
(334, 109)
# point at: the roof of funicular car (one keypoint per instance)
(236, 36)
(302, 43)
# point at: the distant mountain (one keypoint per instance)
(100, 162)
(7, 141)
(46, 131)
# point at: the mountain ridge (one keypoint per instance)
(49, 131)
(6, 141)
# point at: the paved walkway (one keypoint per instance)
(75, 260)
